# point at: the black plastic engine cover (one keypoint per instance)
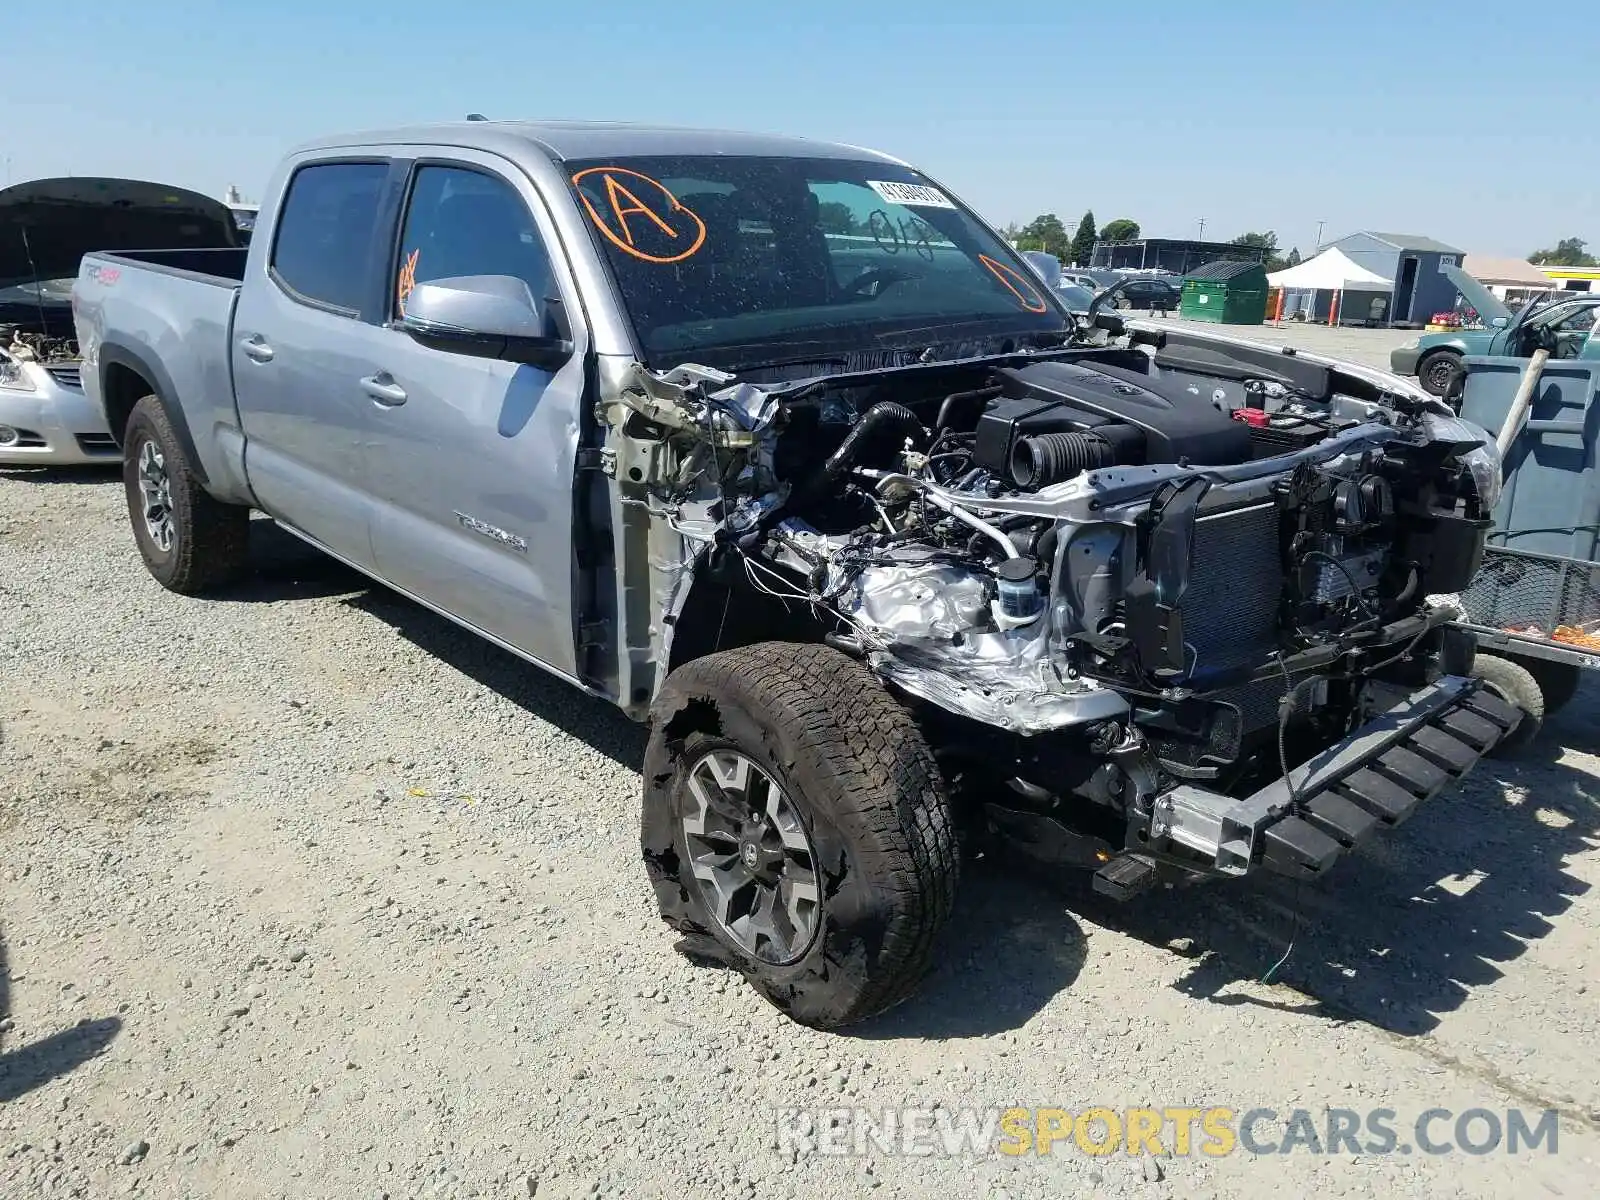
(1179, 427)
(1004, 420)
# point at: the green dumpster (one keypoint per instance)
(1229, 293)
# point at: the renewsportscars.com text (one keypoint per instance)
(1178, 1131)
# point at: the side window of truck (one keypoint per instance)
(461, 221)
(324, 237)
(464, 222)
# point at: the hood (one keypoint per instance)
(55, 222)
(1480, 297)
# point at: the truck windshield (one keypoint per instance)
(744, 261)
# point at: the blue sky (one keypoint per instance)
(1460, 121)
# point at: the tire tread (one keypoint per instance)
(213, 540)
(874, 749)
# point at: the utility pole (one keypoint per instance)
(1320, 224)
(1202, 236)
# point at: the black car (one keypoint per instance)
(1156, 294)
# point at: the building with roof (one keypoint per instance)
(1573, 279)
(1176, 255)
(1509, 279)
(1413, 263)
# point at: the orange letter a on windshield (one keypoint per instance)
(614, 192)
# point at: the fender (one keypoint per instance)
(114, 354)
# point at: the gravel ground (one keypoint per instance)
(1368, 346)
(305, 893)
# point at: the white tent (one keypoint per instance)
(1330, 271)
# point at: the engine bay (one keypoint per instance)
(1104, 541)
(26, 345)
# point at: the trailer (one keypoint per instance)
(1534, 605)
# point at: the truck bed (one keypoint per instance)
(160, 322)
(223, 266)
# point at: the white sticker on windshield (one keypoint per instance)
(910, 193)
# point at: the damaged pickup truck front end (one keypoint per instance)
(1166, 613)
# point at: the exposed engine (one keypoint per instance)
(24, 345)
(1149, 562)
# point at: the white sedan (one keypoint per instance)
(45, 419)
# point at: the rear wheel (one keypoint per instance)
(797, 829)
(1437, 372)
(1514, 684)
(189, 540)
(1558, 682)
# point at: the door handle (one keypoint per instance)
(382, 388)
(256, 349)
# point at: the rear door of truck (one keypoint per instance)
(307, 327)
(471, 462)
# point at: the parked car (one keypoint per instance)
(1158, 294)
(1565, 321)
(1046, 266)
(844, 517)
(46, 226)
(1077, 299)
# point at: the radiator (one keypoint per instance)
(1231, 608)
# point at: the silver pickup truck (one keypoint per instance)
(776, 445)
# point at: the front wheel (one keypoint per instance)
(189, 540)
(796, 828)
(1437, 372)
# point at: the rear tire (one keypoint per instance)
(1515, 685)
(1558, 682)
(190, 541)
(866, 806)
(1437, 372)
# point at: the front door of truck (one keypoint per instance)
(472, 466)
(303, 332)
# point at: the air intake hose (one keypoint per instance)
(1048, 458)
(883, 417)
(878, 421)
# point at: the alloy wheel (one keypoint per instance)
(155, 490)
(752, 857)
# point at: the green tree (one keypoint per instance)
(834, 217)
(1011, 232)
(1268, 242)
(1568, 252)
(1082, 249)
(1120, 230)
(1047, 233)
(1294, 259)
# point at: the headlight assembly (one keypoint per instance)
(12, 377)
(1485, 466)
(1475, 448)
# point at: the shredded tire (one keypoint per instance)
(211, 539)
(858, 769)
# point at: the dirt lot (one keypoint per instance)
(304, 893)
(1369, 346)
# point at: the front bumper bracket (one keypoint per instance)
(1372, 780)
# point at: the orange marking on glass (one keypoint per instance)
(614, 192)
(408, 277)
(622, 237)
(1027, 295)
